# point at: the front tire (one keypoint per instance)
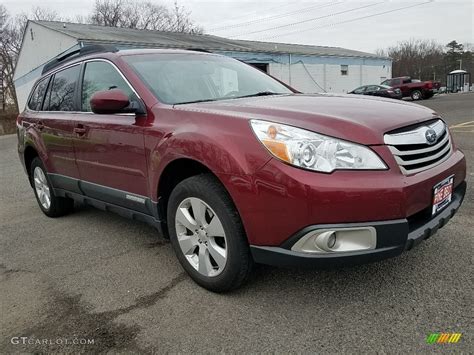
(416, 95)
(51, 205)
(207, 234)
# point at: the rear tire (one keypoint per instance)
(212, 247)
(51, 205)
(416, 95)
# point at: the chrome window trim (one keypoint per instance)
(35, 86)
(117, 69)
(49, 78)
(416, 136)
(80, 63)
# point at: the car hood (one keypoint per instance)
(356, 118)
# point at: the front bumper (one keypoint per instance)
(393, 237)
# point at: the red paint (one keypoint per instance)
(407, 86)
(274, 200)
(109, 101)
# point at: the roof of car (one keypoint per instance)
(100, 51)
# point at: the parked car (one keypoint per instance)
(378, 90)
(413, 88)
(234, 167)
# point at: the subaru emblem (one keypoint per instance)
(431, 136)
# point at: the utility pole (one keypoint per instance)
(460, 64)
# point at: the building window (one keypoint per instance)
(344, 69)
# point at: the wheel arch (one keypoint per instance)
(173, 173)
(29, 155)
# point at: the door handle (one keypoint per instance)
(80, 130)
(40, 125)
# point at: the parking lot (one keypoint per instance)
(94, 276)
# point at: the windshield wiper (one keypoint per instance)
(194, 101)
(260, 93)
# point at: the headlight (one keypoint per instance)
(314, 151)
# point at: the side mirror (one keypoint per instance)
(109, 102)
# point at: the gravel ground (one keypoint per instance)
(95, 277)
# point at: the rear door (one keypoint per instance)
(110, 152)
(405, 87)
(55, 122)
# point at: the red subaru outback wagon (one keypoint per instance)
(232, 165)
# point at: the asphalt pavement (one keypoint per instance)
(95, 282)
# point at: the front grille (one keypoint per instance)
(412, 151)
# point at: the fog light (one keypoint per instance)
(337, 240)
(332, 241)
(326, 240)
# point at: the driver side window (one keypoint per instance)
(100, 76)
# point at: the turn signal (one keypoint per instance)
(279, 149)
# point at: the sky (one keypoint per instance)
(364, 25)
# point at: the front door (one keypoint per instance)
(110, 152)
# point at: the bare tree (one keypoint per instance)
(427, 59)
(108, 12)
(11, 35)
(180, 21)
(43, 14)
(422, 59)
(144, 15)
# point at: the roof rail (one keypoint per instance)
(198, 50)
(53, 63)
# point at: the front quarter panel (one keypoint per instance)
(224, 144)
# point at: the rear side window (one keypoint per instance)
(373, 88)
(36, 99)
(60, 96)
(100, 76)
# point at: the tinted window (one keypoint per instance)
(36, 99)
(60, 96)
(373, 88)
(359, 90)
(178, 78)
(101, 76)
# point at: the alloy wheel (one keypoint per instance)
(201, 236)
(42, 188)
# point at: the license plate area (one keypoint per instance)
(442, 194)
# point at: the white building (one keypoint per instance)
(307, 68)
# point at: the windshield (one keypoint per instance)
(185, 78)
